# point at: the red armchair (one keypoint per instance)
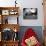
(29, 34)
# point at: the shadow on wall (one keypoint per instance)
(37, 29)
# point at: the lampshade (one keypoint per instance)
(15, 30)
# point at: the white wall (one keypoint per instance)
(27, 4)
(7, 3)
(32, 4)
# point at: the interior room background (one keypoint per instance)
(36, 24)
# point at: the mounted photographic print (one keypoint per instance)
(30, 13)
(5, 12)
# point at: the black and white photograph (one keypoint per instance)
(30, 13)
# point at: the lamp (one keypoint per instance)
(15, 3)
(15, 30)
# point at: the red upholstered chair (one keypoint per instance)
(29, 33)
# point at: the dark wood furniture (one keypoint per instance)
(8, 11)
(10, 43)
(4, 13)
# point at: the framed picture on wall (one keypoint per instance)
(30, 13)
(5, 12)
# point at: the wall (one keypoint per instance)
(32, 4)
(7, 3)
(27, 4)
